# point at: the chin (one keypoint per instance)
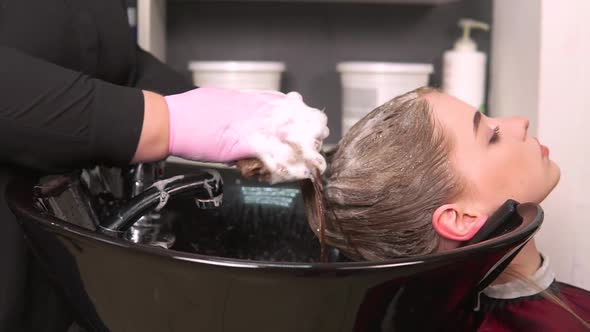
(553, 177)
(555, 174)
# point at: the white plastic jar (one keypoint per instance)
(366, 85)
(259, 75)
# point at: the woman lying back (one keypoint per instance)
(422, 173)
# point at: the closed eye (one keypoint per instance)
(495, 136)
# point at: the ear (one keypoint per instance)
(451, 222)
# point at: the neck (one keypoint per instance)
(526, 263)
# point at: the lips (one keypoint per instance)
(544, 149)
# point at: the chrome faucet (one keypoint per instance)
(206, 187)
(149, 228)
(141, 176)
(93, 199)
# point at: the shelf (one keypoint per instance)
(152, 16)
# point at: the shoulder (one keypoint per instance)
(539, 303)
(576, 298)
(538, 312)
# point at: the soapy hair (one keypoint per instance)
(388, 175)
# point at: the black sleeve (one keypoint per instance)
(52, 118)
(153, 75)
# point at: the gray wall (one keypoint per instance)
(312, 37)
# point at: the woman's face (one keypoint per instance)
(495, 156)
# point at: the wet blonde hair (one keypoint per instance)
(386, 178)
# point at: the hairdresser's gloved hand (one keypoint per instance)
(222, 125)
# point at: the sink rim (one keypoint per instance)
(20, 202)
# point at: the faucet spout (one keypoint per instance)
(206, 187)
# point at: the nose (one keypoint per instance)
(519, 125)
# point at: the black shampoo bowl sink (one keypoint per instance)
(252, 265)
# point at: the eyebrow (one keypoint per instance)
(476, 120)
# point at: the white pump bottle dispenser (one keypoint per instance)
(464, 67)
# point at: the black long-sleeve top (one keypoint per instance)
(69, 70)
(70, 80)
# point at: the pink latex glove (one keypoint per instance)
(223, 125)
